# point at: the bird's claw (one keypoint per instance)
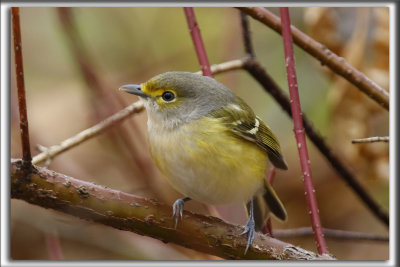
(249, 228)
(177, 210)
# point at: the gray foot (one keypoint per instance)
(177, 209)
(249, 228)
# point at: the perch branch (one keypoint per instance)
(127, 212)
(332, 233)
(88, 133)
(371, 139)
(324, 55)
(19, 73)
(197, 41)
(260, 75)
(299, 132)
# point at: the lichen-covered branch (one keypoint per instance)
(324, 55)
(148, 217)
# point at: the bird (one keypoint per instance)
(210, 145)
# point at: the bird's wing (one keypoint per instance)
(241, 120)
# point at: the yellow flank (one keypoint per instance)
(206, 162)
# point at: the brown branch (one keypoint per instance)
(332, 233)
(88, 133)
(19, 73)
(248, 46)
(127, 212)
(197, 41)
(324, 55)
(299, 133)
(371, 139)
(258, 72)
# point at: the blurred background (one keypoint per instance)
(75, 59)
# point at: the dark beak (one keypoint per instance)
(133, 89)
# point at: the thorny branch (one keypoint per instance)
(299, 133)
(127, 212)
(324, 55)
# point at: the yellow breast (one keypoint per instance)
(206, 162)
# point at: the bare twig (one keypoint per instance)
(88, 133)
(197, 41)
(258, 73)
(248, 46)
(324, 55)
(226, 66)
(332, 233)
(145, 216)
(299, 132)
(19, 73)
(371, 139)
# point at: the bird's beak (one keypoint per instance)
(133, 89)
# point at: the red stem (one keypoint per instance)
(299, 132)
(19, 73)
(53, 246)
(198, 41)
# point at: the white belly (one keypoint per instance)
(221, 170)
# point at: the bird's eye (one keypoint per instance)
(168, 96)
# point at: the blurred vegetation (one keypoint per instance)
(130, 45)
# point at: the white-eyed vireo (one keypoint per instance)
(210, 145)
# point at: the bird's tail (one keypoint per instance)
(266, 204)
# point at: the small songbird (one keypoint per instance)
(210, 145)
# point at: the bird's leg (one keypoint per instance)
(249, 228)
(177, 209)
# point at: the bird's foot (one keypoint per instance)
(177, 209)
(249, 229)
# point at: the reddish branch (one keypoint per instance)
(299, 132)
(147, 217)
(198, 41)
(324, 55)
(19, 73)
